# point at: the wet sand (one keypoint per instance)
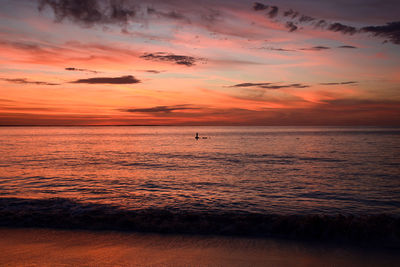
(47, 247)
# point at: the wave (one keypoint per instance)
(69, 214)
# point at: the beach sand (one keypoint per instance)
(48, 247)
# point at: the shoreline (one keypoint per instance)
(376, 231)
(49, 247)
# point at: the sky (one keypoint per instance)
(204, 62)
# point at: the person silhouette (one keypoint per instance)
(197, 136)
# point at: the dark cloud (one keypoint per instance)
(107, 80)
(391, 31)
(321, 24)
(291, 26)
(169, 15)
(26, 81)
(258, 6)
(278, 49)
(273, 12)
(339, 83)
(153, 71)
(316, 48)
(305, 18)
(345, 29)
(347, 46)
(293, 85)
(290, 13)
(250, 84)
(270, 85)
(160, 109)
(212, 16)
(126, 13)
(350, 82)
(90, 12)
(84, 70)
(174, 15)
(177, 59)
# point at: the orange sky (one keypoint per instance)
(98, 62)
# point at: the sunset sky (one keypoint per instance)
(204, 62)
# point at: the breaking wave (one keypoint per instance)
(68, 214)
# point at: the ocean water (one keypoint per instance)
(270, 170)
(324, 183)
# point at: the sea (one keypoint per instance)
(78, 173)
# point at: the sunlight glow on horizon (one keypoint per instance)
(189, 63)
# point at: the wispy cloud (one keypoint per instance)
(290, 13)
(292, 20)
(391, 31)
(347, 46)
(267, 85)
(278, 49)
(363, 103)
(345, 29)
(188, 61)
(26, 81)
(109, 80)
(169, 15)
(339, 83)
(152, 71)
(89, 12)
(291, 26)
(160, 109)
(123, 13)
(71, 52)
(316, 48)
(258, 6)
(7, 100)
(83, 70)
(273, 12)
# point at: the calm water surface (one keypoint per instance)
(283, 170)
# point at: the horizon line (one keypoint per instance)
(180, 125)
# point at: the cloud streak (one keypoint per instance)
(109, 80)
(291, 26)
(339, 83)
(160, 109)
(316, 48)
(345, 29)
(348, 46)
(168, 57)
(267, 85)
(273, 12)
(391, 31)
(26, 81)
(278, 49)
(169, 15)
(258, 6)
(90, 12)
(83, 70)
(153, 71)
